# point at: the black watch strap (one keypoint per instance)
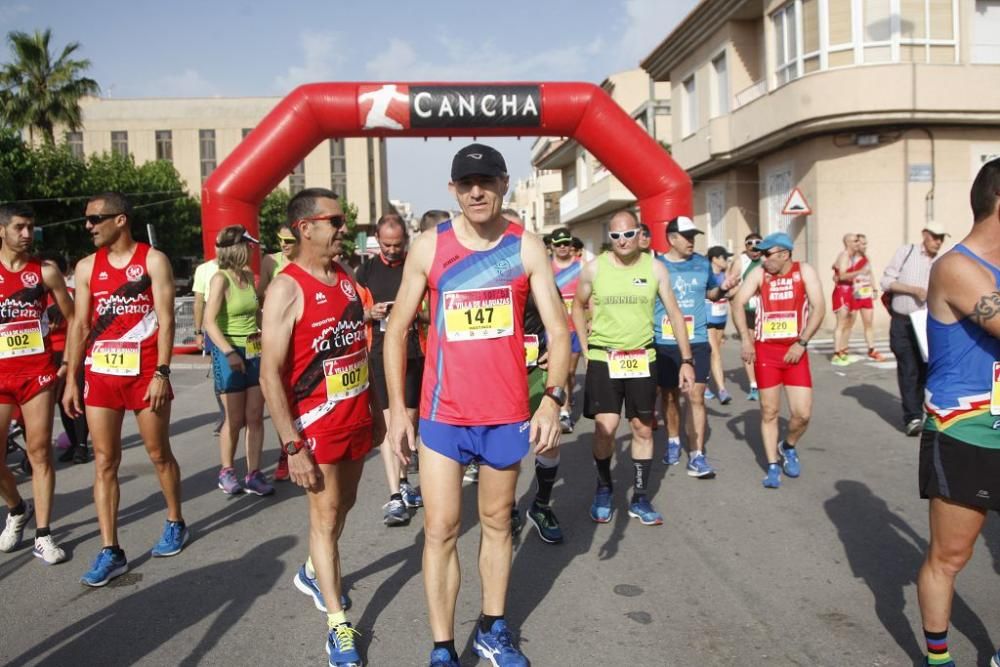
(557, 394)
(163, 370)
(689, 361)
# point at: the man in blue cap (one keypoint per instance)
(789, 313)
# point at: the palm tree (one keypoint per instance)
(39, 93)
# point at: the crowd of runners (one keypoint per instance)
(396, 354)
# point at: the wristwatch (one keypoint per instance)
(803, 342)
(689, 362)
(557, 394)
(294, 447)
(163, 370)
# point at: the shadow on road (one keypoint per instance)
(745, 427)
(886, 553)
(876, 399)
(134, 628)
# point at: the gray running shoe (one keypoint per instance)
(395, 514)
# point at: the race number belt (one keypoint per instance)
(18, 339)
(862, 291)
(346, 376)
(624, 364)
(668, 329)
(115, 357)
(478, 314)
(995, 390)
(719, 308)
(780, 324)
(253, 346)
(531, 350)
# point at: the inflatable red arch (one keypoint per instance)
(315, 112)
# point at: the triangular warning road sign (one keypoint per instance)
(796, 204)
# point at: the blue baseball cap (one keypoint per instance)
(776, 240)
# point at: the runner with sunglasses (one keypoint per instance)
(749, 260)
(621, 358)
(314, 374)
(789, 313)
(566, 267)
(124, 324)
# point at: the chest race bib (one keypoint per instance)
(115, 357)
(568, 302)
(995, 390)
(780, 324)
(478, 314)
(668, 329)
(624, 364)
(18, 339)
(346, 376)
(531, 350)
(719, 308)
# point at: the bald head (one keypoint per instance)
(849, 240)
(622, 220)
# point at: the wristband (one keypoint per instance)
(198, 332)
(690, 362)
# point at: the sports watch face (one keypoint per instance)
(293, 447)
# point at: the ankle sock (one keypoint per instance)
(18, 509)
(486, 622)
(42, 532)
(336, 618)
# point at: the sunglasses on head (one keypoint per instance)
(98, 218)
(630, 234)
(337, 220)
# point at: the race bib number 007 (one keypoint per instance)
(346, 376)
(780, 324)
(624, 364)
(478, 314)
(18, 339)
(115, 357)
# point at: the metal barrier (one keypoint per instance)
(184, 338)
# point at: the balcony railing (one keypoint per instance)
(749, 94)
(569, 203)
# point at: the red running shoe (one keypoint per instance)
(281, 472)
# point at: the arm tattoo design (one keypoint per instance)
(986, 309)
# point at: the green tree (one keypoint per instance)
(272, 214)
(38, 91)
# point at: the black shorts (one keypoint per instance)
(602, 395)
(751, 319)
(716, 325)
(958, 471)
(668, 364)
(411, 391)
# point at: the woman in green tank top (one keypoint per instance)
(232, 320)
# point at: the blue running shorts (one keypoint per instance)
(498, 447)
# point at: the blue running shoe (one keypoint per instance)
(754, 395)
(498, 647)
(308, 585)
(441, 658)
(545, 522)
(724, 397)
(790, 461)
(709, 395)
(673, 455)
(773, 479)
(698, 467)
(640, 508)
(106, 567)
(995, 660)
(411, 495)
(601, 510)
(340, 646)
(175, 536)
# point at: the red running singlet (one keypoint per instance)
(327, 388)
(25, 348)
(57, 323)
(474, 370)
(123, 324)
(783, 309)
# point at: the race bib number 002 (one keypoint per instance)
(780, 324)
(18, 339)
(115, 357)
(668, 329)
(253, 346)
(531, 350)
(346, 376)
(624, 364)
(478, 314)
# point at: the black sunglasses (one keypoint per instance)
(560, 244)
(98, 218)
(337, 220)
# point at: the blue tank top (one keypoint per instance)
(690, 279)
(718, 311)
(960, 376)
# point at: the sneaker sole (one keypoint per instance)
(657, 522)
(395, 522)
(168, 554)
(340, 664)
(598, 520)
(773, 486)
(117, 572)
(41, 557)
(538, 529)
(304, 588)
(702, 475)
(231, 493)
(258, 493)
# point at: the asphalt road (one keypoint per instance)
(820, 572)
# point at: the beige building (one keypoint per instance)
(590, 193)
(196, 135)
(879, 111)
(536, 198)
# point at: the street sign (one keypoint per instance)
(796, 204)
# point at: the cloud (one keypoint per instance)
(647, 23)
(321, 60)
(10, 12)
(189, 83)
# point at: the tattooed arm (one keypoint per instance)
(962, 288)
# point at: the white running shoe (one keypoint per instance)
(12, 532)
(48, 550)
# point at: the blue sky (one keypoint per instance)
(184, 48)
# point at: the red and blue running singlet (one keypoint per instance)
(327, 388)
(24, 326)
(123, 324)
(474, 373)
(783, 309)
(567, 279)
